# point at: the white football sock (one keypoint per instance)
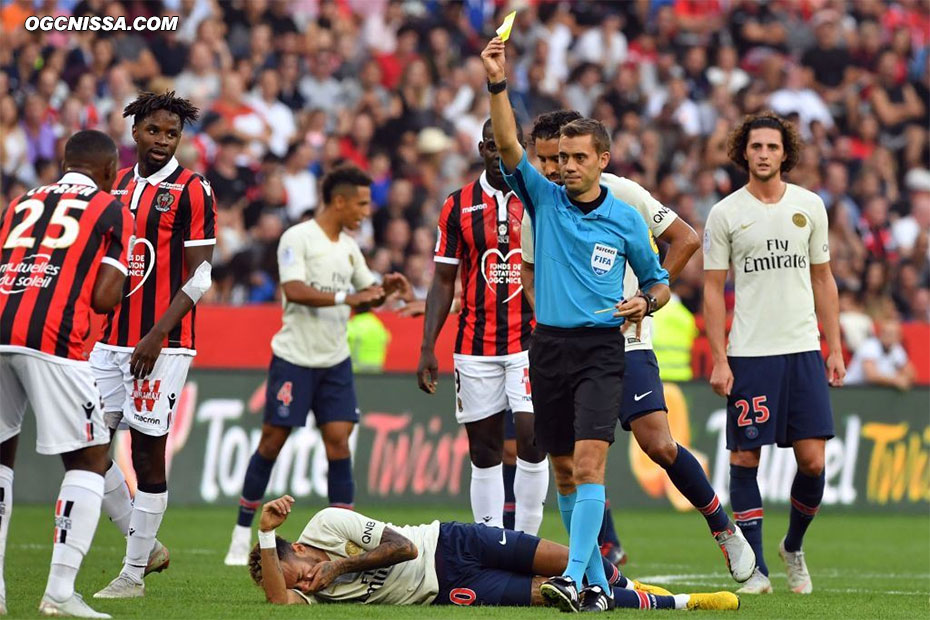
(681, 600)
(530, 486)
(487, 495)
(6, 511)
(147, 512)
(242, 534)
(117, 502)
(76, 514)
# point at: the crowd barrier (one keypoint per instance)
(240, 337)
(409, 449)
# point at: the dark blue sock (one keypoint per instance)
(614, 576)
(746, 501)
(341, 488)
(689, 478)
(253, 489)
(509, 500)
(608, 534)
(633, 599)
(806, 493)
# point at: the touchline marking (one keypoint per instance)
(715, 579)
(108, 549)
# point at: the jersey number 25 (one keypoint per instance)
(758, 407)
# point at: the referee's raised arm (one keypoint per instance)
(502, 118)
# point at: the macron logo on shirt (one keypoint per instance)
(480, 207)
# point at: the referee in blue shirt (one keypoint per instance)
(584, 237)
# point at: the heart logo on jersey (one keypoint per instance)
(493, 279)
(148, 262)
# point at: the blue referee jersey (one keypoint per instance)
(581, 258)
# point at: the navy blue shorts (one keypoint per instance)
(642, 389)
(778, 399)
(510, 428)
(294, 390)
(481, 565)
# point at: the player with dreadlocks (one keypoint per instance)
(142, 359)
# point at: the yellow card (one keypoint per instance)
(504, 31)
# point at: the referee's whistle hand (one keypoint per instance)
(427, 371)
(632, 309)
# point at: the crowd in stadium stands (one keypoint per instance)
(289, 90)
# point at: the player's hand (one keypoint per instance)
(721, 379)
(494, 60)
(322, 574)
(629, 324)
(275, 512)
(417, 307)
(836, 369)
(371, 295)
(397, 283)
(428, 371)
(146, 354)
(632, 309)
(456, 305)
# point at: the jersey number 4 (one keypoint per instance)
(69, 225)
(758, 407)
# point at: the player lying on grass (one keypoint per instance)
(345, 557)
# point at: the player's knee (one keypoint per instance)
(564, 474)
(94, 459)
(271, 442)
(149, 468)
(588, 472)
(530, 453)
(337, 448)
(510, 453)
(745, 458)
(484, 455)
(662, 452)
(811, 466)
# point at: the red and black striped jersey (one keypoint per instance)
(53, 240)
(173, 209)
(479, 230)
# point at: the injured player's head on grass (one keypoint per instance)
(344, 556)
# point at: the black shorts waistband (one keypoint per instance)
(575, 332)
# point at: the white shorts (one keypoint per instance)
(64, 398)
(488, 385)
(143, 404)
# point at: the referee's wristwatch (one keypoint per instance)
(497, 87)
(651, 304)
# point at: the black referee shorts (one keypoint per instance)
(577, 379)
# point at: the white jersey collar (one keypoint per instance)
(499, 196)
(156, 177)
(76, 178)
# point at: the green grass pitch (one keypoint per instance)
(863, 566)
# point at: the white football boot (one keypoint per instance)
(799, 580)
(757, 584)
(123, 586)
(74, 607)
(239, 547)
(741, 559)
